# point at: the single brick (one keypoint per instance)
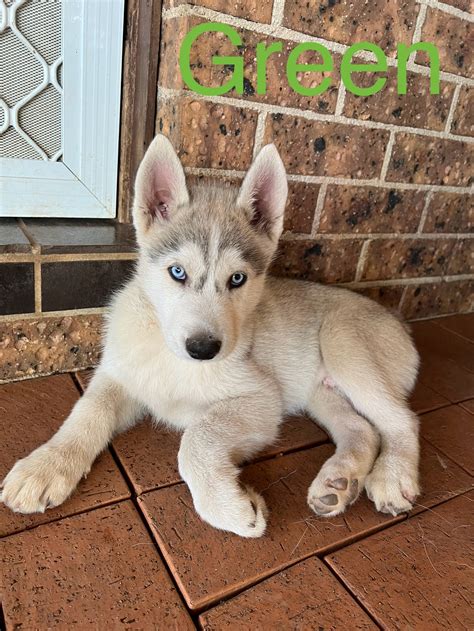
(278, 92)
(300, 207)
(429, 299)
(453, 38)
(450, 212)
(461, 260)
(247, 9)
(407, 258)
(464, 5)
(326, 260)
(208, 134)
(382, 22)
(428, 160)
(389, 297)
(370, 209)
(463, 120)
(416, 108)
(310, 147)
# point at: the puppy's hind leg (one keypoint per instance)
(49, 474)
(342, 477)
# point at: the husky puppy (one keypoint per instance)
(203, 340)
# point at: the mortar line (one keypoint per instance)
(281, 32)
(420, 20)
(424, 212)
(406, 236)
(319, 209)
(170, 93)
(278, 12)
(422, 280)
(387, 156)
(402, 300)
(344, 181)
(452, 109)
(259, 133)
(364, 253)
(341, 98)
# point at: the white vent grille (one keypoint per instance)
(30, 90)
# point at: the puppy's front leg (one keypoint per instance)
(49, 474)
(210, 450)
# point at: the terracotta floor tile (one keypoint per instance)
(447, 364)
(149, 454)
(424, 399)
(468, 405)
(416, 575)
(209, 564)
(451, 430)
(31, 412)
(440, 478)
(305, 596)
(462, 324)
(98, 570)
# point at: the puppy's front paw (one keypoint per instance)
(392, 486)
(42, 480)
(242, 511)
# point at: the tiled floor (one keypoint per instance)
(128, 551)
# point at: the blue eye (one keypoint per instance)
(177, 273)
(237, 280)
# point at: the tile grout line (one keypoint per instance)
(171, 93)
(347, 588)
(35, 251)
(284, 33)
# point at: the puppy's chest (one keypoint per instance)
(172, 392)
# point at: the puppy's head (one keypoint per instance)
(204, 254)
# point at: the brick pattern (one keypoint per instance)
(379, 187)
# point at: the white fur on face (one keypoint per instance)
(204, 303)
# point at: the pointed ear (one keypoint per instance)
(160, 185)
(264, 191)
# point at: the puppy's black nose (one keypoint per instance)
(203, 347)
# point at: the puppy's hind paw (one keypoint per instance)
(392, 490)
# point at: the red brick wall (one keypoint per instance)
(379, 186)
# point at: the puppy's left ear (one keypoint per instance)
(264, 191)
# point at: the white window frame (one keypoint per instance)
(84, 184)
